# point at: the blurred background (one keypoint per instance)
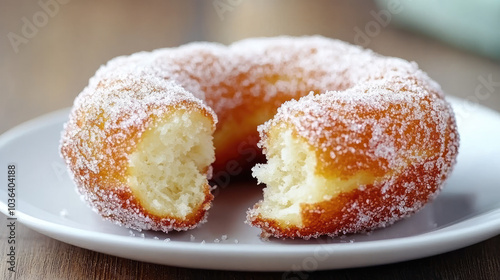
(50, 48)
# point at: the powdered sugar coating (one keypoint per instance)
(387, 122)
(236, 86)
(394, 125)
(107, 120)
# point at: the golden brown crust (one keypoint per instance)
(100, 136)
(398, 132)
(360, 210)
(239, 87)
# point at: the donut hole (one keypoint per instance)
(292, 178)
(167, 171)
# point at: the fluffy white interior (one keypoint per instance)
(291, 178)
(166, 172)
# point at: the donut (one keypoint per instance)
(352, 140)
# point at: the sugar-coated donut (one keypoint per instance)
(360, 141)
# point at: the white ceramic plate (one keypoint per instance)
(466, 212)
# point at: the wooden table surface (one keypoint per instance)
(49, 49)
